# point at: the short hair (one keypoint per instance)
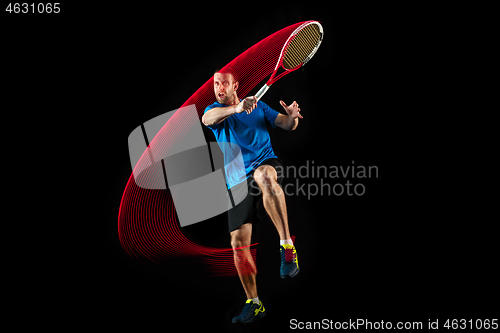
(227, 70)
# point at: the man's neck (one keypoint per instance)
(234, 101)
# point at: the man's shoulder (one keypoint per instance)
(263, 105)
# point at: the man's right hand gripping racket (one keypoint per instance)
(299, 48)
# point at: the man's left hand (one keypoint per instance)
(292, 110)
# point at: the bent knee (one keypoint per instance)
(265, 175)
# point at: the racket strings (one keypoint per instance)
(301, 46)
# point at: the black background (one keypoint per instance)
(81, 81)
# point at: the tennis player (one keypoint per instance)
(243, 122)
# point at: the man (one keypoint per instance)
(243, 122)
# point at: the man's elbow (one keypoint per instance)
(204, 120)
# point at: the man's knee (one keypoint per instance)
(265, 175)
(241, 237)
(267, 179)
(237, 242)
(240, 242)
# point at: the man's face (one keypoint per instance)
(225, 88)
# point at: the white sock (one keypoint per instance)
(286, 241)
(256, 300)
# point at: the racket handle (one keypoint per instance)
(262, 91)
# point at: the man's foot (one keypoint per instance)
(289, 261)
(250, 312)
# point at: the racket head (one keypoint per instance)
(301, 45)
(299, 48)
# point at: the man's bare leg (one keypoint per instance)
(274, 203)
(273, 197)
(247, 271)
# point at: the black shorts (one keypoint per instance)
(248, 210)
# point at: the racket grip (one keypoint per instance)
(262, 91)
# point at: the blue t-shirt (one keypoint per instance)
(249, 133)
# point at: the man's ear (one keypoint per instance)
(236, 85)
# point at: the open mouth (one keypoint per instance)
(221, 95)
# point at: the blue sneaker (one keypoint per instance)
(289, 261)
(250, 312)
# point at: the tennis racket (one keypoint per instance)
(299, 48)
